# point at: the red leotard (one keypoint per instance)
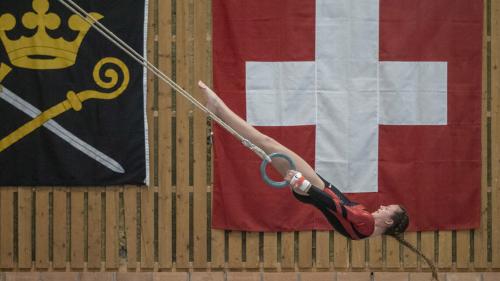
(348, 218)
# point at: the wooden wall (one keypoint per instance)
(166, 227)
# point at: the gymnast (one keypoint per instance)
(348, 218)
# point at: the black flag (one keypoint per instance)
(72, 104)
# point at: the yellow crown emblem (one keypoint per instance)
(42, 51)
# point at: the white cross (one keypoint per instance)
(347, 93)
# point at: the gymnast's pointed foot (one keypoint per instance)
(212, 101)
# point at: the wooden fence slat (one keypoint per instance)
(218, 249)
(147, 228)
(481, 234)
(252, 250)
(495, 157)
(305, 249)
(165, 136)
(358, 257)
(375, 252)
(24, 200)
(427, 247)
(42, 228)
(147, 194)
(340, 251)
(322, 249)
(77, 228)
(270, 249)
(60, 228)
(392, 253)
(7, 227)
(235, 254)
(183, 109)
(201, 21)
(287, 250)
(94, 228)
(445, 249)
(112, 223)
(409, 257)
(130, 209)
(151, 101)
(463, 249)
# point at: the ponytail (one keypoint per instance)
(401, 240)
(396, 230)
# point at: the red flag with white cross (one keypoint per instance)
(382, 98)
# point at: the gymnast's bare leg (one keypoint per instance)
(268, 144)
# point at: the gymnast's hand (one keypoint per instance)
(298, 183)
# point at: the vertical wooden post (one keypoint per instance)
(42, 228)
(24, 199)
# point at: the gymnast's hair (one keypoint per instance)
(396, 230)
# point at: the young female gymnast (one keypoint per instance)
(348, 218)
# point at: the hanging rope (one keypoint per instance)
(76, 9)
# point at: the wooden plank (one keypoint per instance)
(66, 276)
(453, 276)
(243, 276)
(270, 250)
(94, 276)
(481, 234)
(317, 276)
(409, 257)
(42, 228)
(217, 249)
(392, 276)
(235, 254)
(147, 194)
(77, 228)
(445, 250)
(202, 9)
(495, 157)
(165, 136)
(358, 256)
(60, 228)
(206, 276)
(427, 247)
(340, 251)
(130, 208)
(463, 249)
(94, 242)
(252, 250)
(133, 276)
(392, 253)
(147, 228)
(112, 229)
(25, 197)
(305, 249)
(375, 252)
(322, 249)
(7, 227)
(183, 113)
(354, 276)
(287, 250)
(172, 276)
(279, 276)
(151, 95)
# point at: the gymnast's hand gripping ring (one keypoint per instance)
(266, 179)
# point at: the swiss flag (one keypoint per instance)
(382, 98)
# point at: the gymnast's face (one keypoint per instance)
(386, 212)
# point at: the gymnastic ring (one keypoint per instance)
(267, 180)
